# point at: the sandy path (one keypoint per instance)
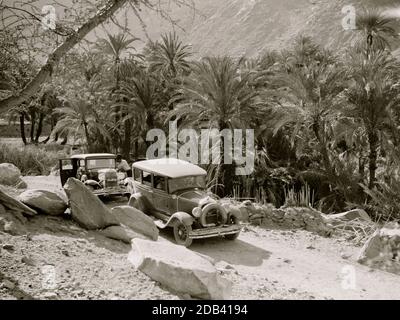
(264, 264)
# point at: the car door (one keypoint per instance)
(160, 195)
(68, 169)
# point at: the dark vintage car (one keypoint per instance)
(174, 193)
(98, 171)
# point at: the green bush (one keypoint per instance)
(32, 160)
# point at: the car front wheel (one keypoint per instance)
(181, 234)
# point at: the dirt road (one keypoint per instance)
(261, 263)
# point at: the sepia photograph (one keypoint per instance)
(199, 155)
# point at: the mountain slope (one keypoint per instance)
(238, 27)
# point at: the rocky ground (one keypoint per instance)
(56, 259)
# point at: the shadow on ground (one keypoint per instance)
(236, 252)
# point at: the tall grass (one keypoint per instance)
(32, 160)
(302, 198)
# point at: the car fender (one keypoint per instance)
(180, 216)
(92, 183)
(138, 201)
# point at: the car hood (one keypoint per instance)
(197, 197)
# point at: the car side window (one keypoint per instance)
(159, 182)
(137, 175)
(146, 178)
(66, 164)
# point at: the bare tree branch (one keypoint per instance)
(45, 72)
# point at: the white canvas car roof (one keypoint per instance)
(170, 167)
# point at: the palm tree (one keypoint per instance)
(305, 100)
(217, 95)
(115, 46)
(139, 98)
(375, 30)
(373, 94)
(170, 57)
(79, 119)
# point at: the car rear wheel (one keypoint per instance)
(181, 234)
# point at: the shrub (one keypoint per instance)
(32, 160)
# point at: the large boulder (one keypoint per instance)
(15, 205)
(44, 201)
(351, 215)
(86, 209)
(382, 250)
(136, 220)
(121, 233)
(10, 175)
(179, 269)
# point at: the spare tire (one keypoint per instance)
(221, 215)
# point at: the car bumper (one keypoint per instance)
(111, 192)
(214, 231)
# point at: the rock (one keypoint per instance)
(10, 175)
(136, 220)
(15, 205)
(278, 215)
(2, 210)
(43, 201)
(21, 185)
(121, 233)
(304, 218)
(244, 213)
(65, 253)
(8, 284)
(382, 250)
(28, 261)
(234, 209)
(86, 209)
(179, 269)
(8, 247)
(347, 216)
(11, 228)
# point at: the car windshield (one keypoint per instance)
(100, 163)
(192, 182)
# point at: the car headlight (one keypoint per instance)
(196, 212)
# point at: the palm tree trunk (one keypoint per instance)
(88, 142)
(126, 148)
(22, 128)
(40, 127)
(227, 172)
(373, 141)
(33, 120)
(323, 149)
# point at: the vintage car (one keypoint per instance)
(173, 192)
(98, 171)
